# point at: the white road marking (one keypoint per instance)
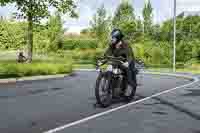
(123, 106)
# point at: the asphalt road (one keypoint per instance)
(38, 106)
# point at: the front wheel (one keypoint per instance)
(103, 92)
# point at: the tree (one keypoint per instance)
(188, 35)
(139, 26)
(35, 10)
(156, 32)
(100, 26)
(88, 32)
(124, 19)
(147, 16)
(138, 36)
(55, 32)
(12, 35)
(85, 31)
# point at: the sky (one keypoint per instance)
(163, 9)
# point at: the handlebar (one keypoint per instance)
(106, 59)
(112, 58)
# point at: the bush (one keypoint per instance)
(12, 35)
(195, 67)
(71, 44)
(86, 55)
(42, 68)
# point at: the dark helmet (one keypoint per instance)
(116, 35)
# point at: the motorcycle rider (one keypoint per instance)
(119, 48)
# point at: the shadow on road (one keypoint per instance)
(119, 101)
(192, 93)
(197, 131)
(176, 107)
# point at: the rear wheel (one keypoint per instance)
(103, 92)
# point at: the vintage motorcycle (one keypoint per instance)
(112, 82)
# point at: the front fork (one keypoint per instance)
(116, 85)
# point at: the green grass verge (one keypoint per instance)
(189, 70)
(12, 70)
(184, 70)
(167, 70)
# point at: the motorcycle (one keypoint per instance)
(112, 82)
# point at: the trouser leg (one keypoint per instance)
(132, 80)
(131, 75)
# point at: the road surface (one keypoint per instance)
(39, 106)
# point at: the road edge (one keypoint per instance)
(46, 77)
(32, 78)
(151, 72)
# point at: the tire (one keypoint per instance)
(106, 86)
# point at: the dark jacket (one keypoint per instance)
(125, 51)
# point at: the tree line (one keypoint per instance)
(151, 42)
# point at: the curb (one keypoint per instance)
(172, 74)
(37, 78)
(192, 78)
(33, 78)
(7, 81)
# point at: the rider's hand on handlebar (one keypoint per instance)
(99, 63)
(126, 64)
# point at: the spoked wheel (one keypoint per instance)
(103, 92)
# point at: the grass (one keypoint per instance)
(181, 70)
(189, 70)
(11, 69)
(48, 64)
(167, 70)
(52, 64)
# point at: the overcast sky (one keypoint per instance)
(163, 9)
